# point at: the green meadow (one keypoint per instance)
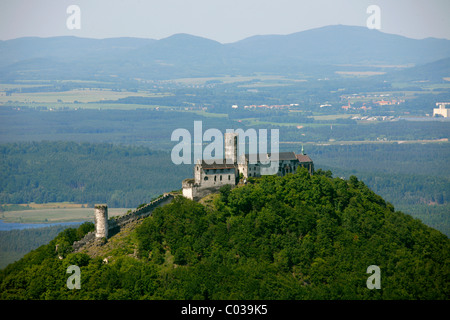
(56, 215)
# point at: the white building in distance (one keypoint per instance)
(441, 110)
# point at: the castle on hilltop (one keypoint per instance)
(210, 176)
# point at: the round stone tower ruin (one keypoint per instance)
(101, 221)
(231, 143)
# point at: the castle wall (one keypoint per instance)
(113, 225)
(198, 173)
(218, 177)
(231, 147)
(242, 166)
(140, 213)
(201, 192)
(188, 192)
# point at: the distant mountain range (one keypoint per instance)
(315, 52)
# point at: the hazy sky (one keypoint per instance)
(221, 20)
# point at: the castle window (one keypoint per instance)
(220, 178)
(229, 178)
(206, 178)
(215, 178)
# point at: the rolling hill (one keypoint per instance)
(297, 237)
(433, 71)
(312, 52)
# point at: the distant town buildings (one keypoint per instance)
(370, 100)
(391, 102)
(363, 107)
(441, 110)
(264, 106)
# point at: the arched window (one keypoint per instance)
(215, 178)
(221, 178)
(206, 178)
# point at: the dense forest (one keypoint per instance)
(153, 128)
(413, 176)
(122, 176)
(292, 237)
(14, 244)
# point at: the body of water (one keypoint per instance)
(6, 226)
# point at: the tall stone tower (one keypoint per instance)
(101, 221)
(231, 142)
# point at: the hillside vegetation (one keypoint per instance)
(292, 237)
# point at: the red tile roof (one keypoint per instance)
(303, 158)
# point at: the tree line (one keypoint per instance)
(122, 176)
(293, 237)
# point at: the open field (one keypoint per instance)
(233, 79)
(256, 122)
(335, 116)
(208, 114)
(11, 86)
(79, 95)
(55, 205)
(88, 105)
(54, 215)
(360, 73)
(333, 142)
(424, 86)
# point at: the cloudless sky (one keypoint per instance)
(222, 20)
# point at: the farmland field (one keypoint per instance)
(55, 215)
(79, 95)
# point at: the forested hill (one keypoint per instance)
(122, 176)
(292, 237)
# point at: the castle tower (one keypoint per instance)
(101, 221)
(231, 142)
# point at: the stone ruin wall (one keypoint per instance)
(115, 224)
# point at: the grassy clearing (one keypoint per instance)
(360, 73)
(56, 205)
(116, 106)
(121, 244)
(424, 86)
(208, 114)
(233, 79)
(356, 142)
(256, 122)
(92, 106)
(264, 84)
(10, 86)
(54, 215)
(80, 95)
(334, 116)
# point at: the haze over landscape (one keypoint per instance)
(88, 112)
